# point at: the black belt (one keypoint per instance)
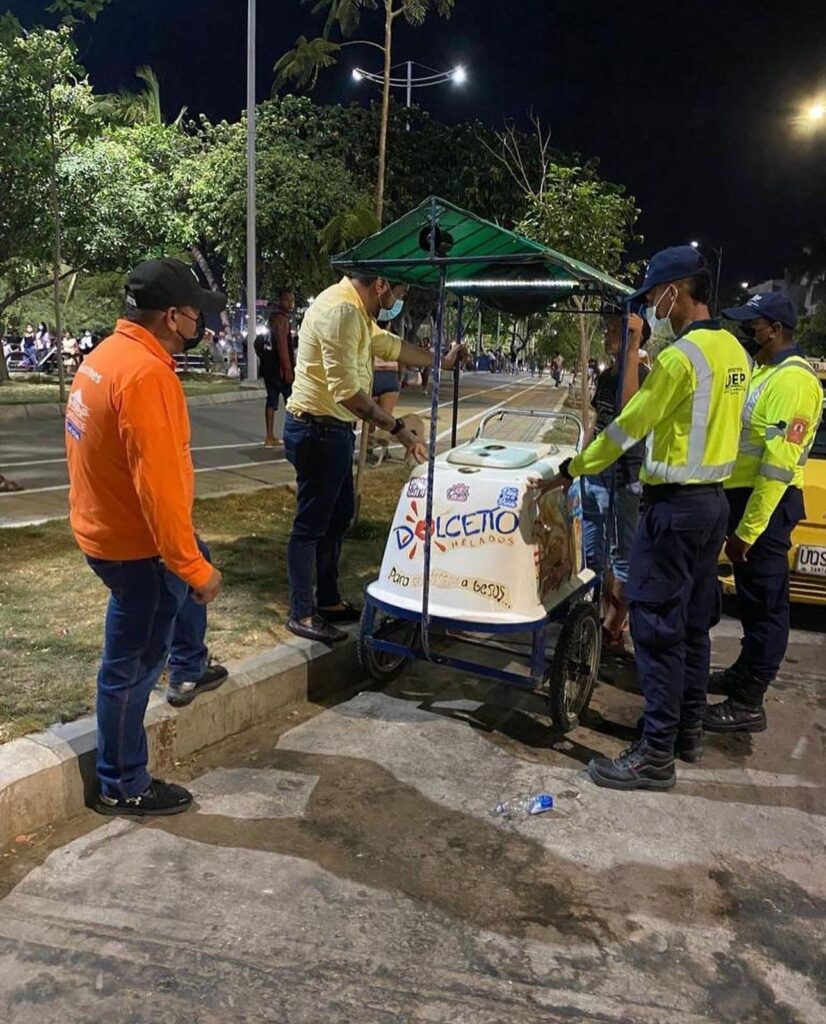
(662, 492)
(322, 421)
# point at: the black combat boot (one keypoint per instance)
(726, 681)
(734, 716)
(689, 745)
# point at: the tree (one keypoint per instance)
(75, 197)
(572, 209)
(132, 108)
(301, 190)
(309, 57)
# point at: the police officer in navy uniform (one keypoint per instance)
(765, 497)
(688, 412)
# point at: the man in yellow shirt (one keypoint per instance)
(337, 343)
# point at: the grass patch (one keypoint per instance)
(34, 388)
(52, 605)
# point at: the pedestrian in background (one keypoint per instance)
(130, 497)
(765, 497)
(611, 499)
(276, 363)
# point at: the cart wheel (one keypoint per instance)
(382, 666)
(572, 672)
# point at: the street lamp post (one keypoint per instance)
(457, 75)
(252, 282)
(719, 254)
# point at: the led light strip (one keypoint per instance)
(557, 282)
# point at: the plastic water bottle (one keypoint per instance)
(524, 806)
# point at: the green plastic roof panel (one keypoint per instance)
(505, 269)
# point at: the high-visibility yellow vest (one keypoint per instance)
(688, 410)
(780, 421)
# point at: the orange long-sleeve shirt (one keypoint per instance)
(130, 469)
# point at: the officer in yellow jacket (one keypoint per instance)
(688, 411)
(765, 497)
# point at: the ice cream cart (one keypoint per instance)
(473, 559)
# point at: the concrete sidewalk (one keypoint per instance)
(345, 867)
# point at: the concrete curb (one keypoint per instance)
(54, 410)
(48, 777)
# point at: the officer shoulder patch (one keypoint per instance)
(797, 430)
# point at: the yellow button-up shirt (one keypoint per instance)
(337, 343)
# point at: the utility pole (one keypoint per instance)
(58, 318)
(252, 282)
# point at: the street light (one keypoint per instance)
(457, 75)
(744, 285)
(719, 253)
(816, 112)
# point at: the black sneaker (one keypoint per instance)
(318, 630)
(689, 745)
(732, 716)
(157, 799)
(181, 694)
(638, 767)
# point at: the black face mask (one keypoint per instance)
(197, 337)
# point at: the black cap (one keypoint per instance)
(160, 284)
(772, 306)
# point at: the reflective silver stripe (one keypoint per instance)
(682, 475)
(619, 436)
(701, 402)
(748, 447)
(774, 431)
(693, 470)
(776, 473)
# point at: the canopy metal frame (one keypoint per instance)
(591, 283)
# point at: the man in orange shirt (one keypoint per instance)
(131, 493)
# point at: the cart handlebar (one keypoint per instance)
(539, 414)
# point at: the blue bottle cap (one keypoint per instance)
(543, 802)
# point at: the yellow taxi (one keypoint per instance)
(807, 558)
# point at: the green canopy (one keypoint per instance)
(506, 270)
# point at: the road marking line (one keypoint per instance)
(204, 469)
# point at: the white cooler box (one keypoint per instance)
(498, 556)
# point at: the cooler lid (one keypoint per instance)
(483, 451)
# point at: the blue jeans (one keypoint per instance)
(323, 459)
(188, 652)
(145, 597)
(599, 533)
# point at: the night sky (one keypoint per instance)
(688, 104)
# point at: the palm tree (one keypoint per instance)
(309, 57)
(142, 107)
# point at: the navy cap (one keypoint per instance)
(672, 264)
(161, 284)
(773, 306)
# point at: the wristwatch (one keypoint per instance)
(399, 427)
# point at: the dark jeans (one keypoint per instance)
(323, 459)
(763, 593)
(144, 605)
(674, 599)
(188, 652)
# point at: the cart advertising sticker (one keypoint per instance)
(558, 534)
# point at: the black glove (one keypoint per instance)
(563, 469)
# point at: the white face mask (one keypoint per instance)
(661, 329)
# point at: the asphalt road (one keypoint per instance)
(226, 443)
